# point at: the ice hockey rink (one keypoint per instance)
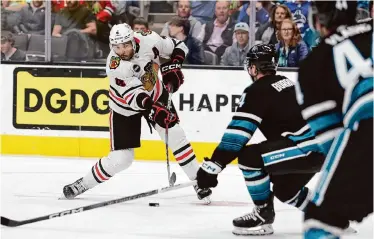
(30, 187)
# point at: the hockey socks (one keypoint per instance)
(186, 158)
(106, 167)
(258, 184)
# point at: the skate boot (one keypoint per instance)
(258, 222)
(72, 190)
(203, 194)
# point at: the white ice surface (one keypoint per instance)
(30, 188)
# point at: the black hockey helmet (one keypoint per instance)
(263, 56)
(332, 14)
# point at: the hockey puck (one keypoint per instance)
(154, 204)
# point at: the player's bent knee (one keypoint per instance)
(250, 156)
(119, 160)
(283, 194)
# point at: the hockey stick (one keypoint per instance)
(173, 176)
(13, 223)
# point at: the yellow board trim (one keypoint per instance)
(88, 147)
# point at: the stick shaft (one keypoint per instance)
(13, 223)
(167, 138)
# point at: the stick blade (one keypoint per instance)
(173, 179)
(8, 222)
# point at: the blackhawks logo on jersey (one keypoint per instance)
(145, 32)
(114, 62)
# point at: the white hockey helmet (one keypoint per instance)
(121, 33)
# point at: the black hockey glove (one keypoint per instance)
(162, 116)
(207, 174)
(171, 71)
(156, 111)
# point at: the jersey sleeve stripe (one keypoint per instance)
(325, 139)
(362, 88)
(119, 99)
(115, 92)
(158, 90)
(248, 116)
(249, 126)
(121, 105)
(299, 132)
(325, 121)
(361, 109)
(318, 108)
(233, 141)
(128, 96)
(238, 132)
(131, 89)
(238, 128)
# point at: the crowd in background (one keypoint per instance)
(216, 32)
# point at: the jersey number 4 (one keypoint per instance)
(346, 53)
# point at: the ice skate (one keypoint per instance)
(258, 222)
(349, 229)
(203, 194)
(72, 190)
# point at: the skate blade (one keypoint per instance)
(207, 200)
(350, 230)
(254, 231)
(62, 197)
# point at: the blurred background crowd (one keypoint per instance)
(216, 32)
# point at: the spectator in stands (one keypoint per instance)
(179, 28)
(291, 49)
(31, 18)
(13, 5)
(74, 16)
(262, 15)
(9, 13)
(140, 24)
(203, 11)
(268, 5)
(126, 11)
(363, 9)
(267, 32)
(311, 38)
(77, 22)
(184, 10)
(8, 51)
(236, 54)
(217, 34)
(299, 10)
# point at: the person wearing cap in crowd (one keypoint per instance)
(179, 28)
(236, 54)
(9, 52)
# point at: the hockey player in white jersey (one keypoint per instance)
(136, 91)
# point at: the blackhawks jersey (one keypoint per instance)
(140, 74)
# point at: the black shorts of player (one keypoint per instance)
(346, 193)
(289, 168)
(124, 131)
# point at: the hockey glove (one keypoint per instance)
(171, 71)
(162, 116)
(156, 111)
(207, 174)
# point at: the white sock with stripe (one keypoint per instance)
(182, 149)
